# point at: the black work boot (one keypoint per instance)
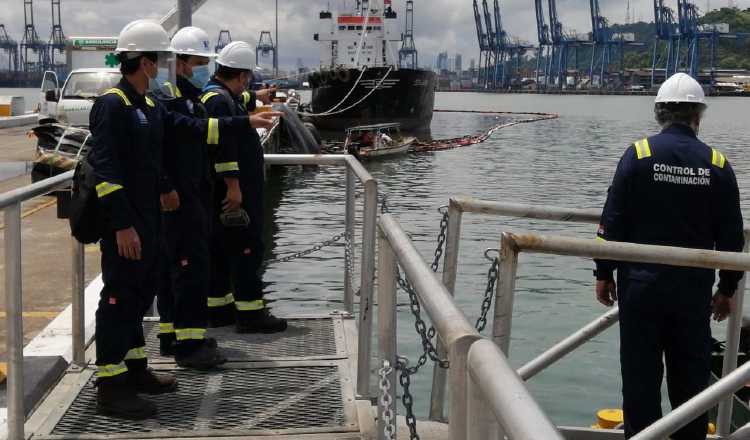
(200, 355)
(166, 344)
(260, 321)
(147, 382)
(116, 397)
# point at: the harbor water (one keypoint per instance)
(565, 162)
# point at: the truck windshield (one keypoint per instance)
(89, 85)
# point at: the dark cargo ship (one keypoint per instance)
(360, 81)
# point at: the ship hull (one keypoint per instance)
(406, 96)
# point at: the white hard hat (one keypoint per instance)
(192, 41)
(681, 87)
(143, 36)
(237, 55)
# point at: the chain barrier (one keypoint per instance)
(489, 292)
(386, 401)
(318, 247)
(349, 261)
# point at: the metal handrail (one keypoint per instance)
(11, 201)
(460, 205)
(481, 378)
(513, 244)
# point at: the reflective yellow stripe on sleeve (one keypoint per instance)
(207, 96)
(111, 369)
(226, 167)
(643, 149)
(120, 93)
(213, 132)
(175, 91)
(246, 97)
(136, 353)
(184, 334)
(220, 301)
(717, 158)
(249, 306)
(150, 102)
(105, 188)
(600, 238)
(166, 328)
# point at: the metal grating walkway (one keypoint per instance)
(309, 338)
(296, 383)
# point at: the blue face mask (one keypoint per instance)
(200, 77)
(157, 84)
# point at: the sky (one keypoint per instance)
(440, 25)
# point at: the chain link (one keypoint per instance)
(318, 247)
(406, 398)
(489, 292)
(386, 401)
(349, 260)
(441, 238)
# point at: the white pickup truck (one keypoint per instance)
(71, 103)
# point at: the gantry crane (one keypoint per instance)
(225, 37)
(490, 59)
(10, 47)
(265, 48)
(484, 48)
(665, 42)
(408, 57)
(561, 46)
(33, 49)
(607, 48)
(543, 51)
(56, 44)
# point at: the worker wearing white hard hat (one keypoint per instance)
(129, 129)
(670, 189)
(143, 45)
(184, 274)
(193, 49)
(236, 293)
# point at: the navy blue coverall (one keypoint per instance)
(128, 132)
(236, 253)
(184, 286)
(671, 190)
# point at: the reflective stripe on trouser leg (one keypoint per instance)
(220, 301)
(166, 328)
(136, 353)
(184, 334)
(111, 370)
(249, 306)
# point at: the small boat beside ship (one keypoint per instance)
(377, 141)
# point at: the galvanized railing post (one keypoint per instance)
(387, 332)
(506, 286)
(14, 321)
(367, 287)
(734, 326)
(78, 310)
(350, 219)
(450, 267)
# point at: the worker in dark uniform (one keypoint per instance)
(128, 132)
(670, 190)
(183, 290)
(237, 249)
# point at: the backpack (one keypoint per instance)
(86, 217)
